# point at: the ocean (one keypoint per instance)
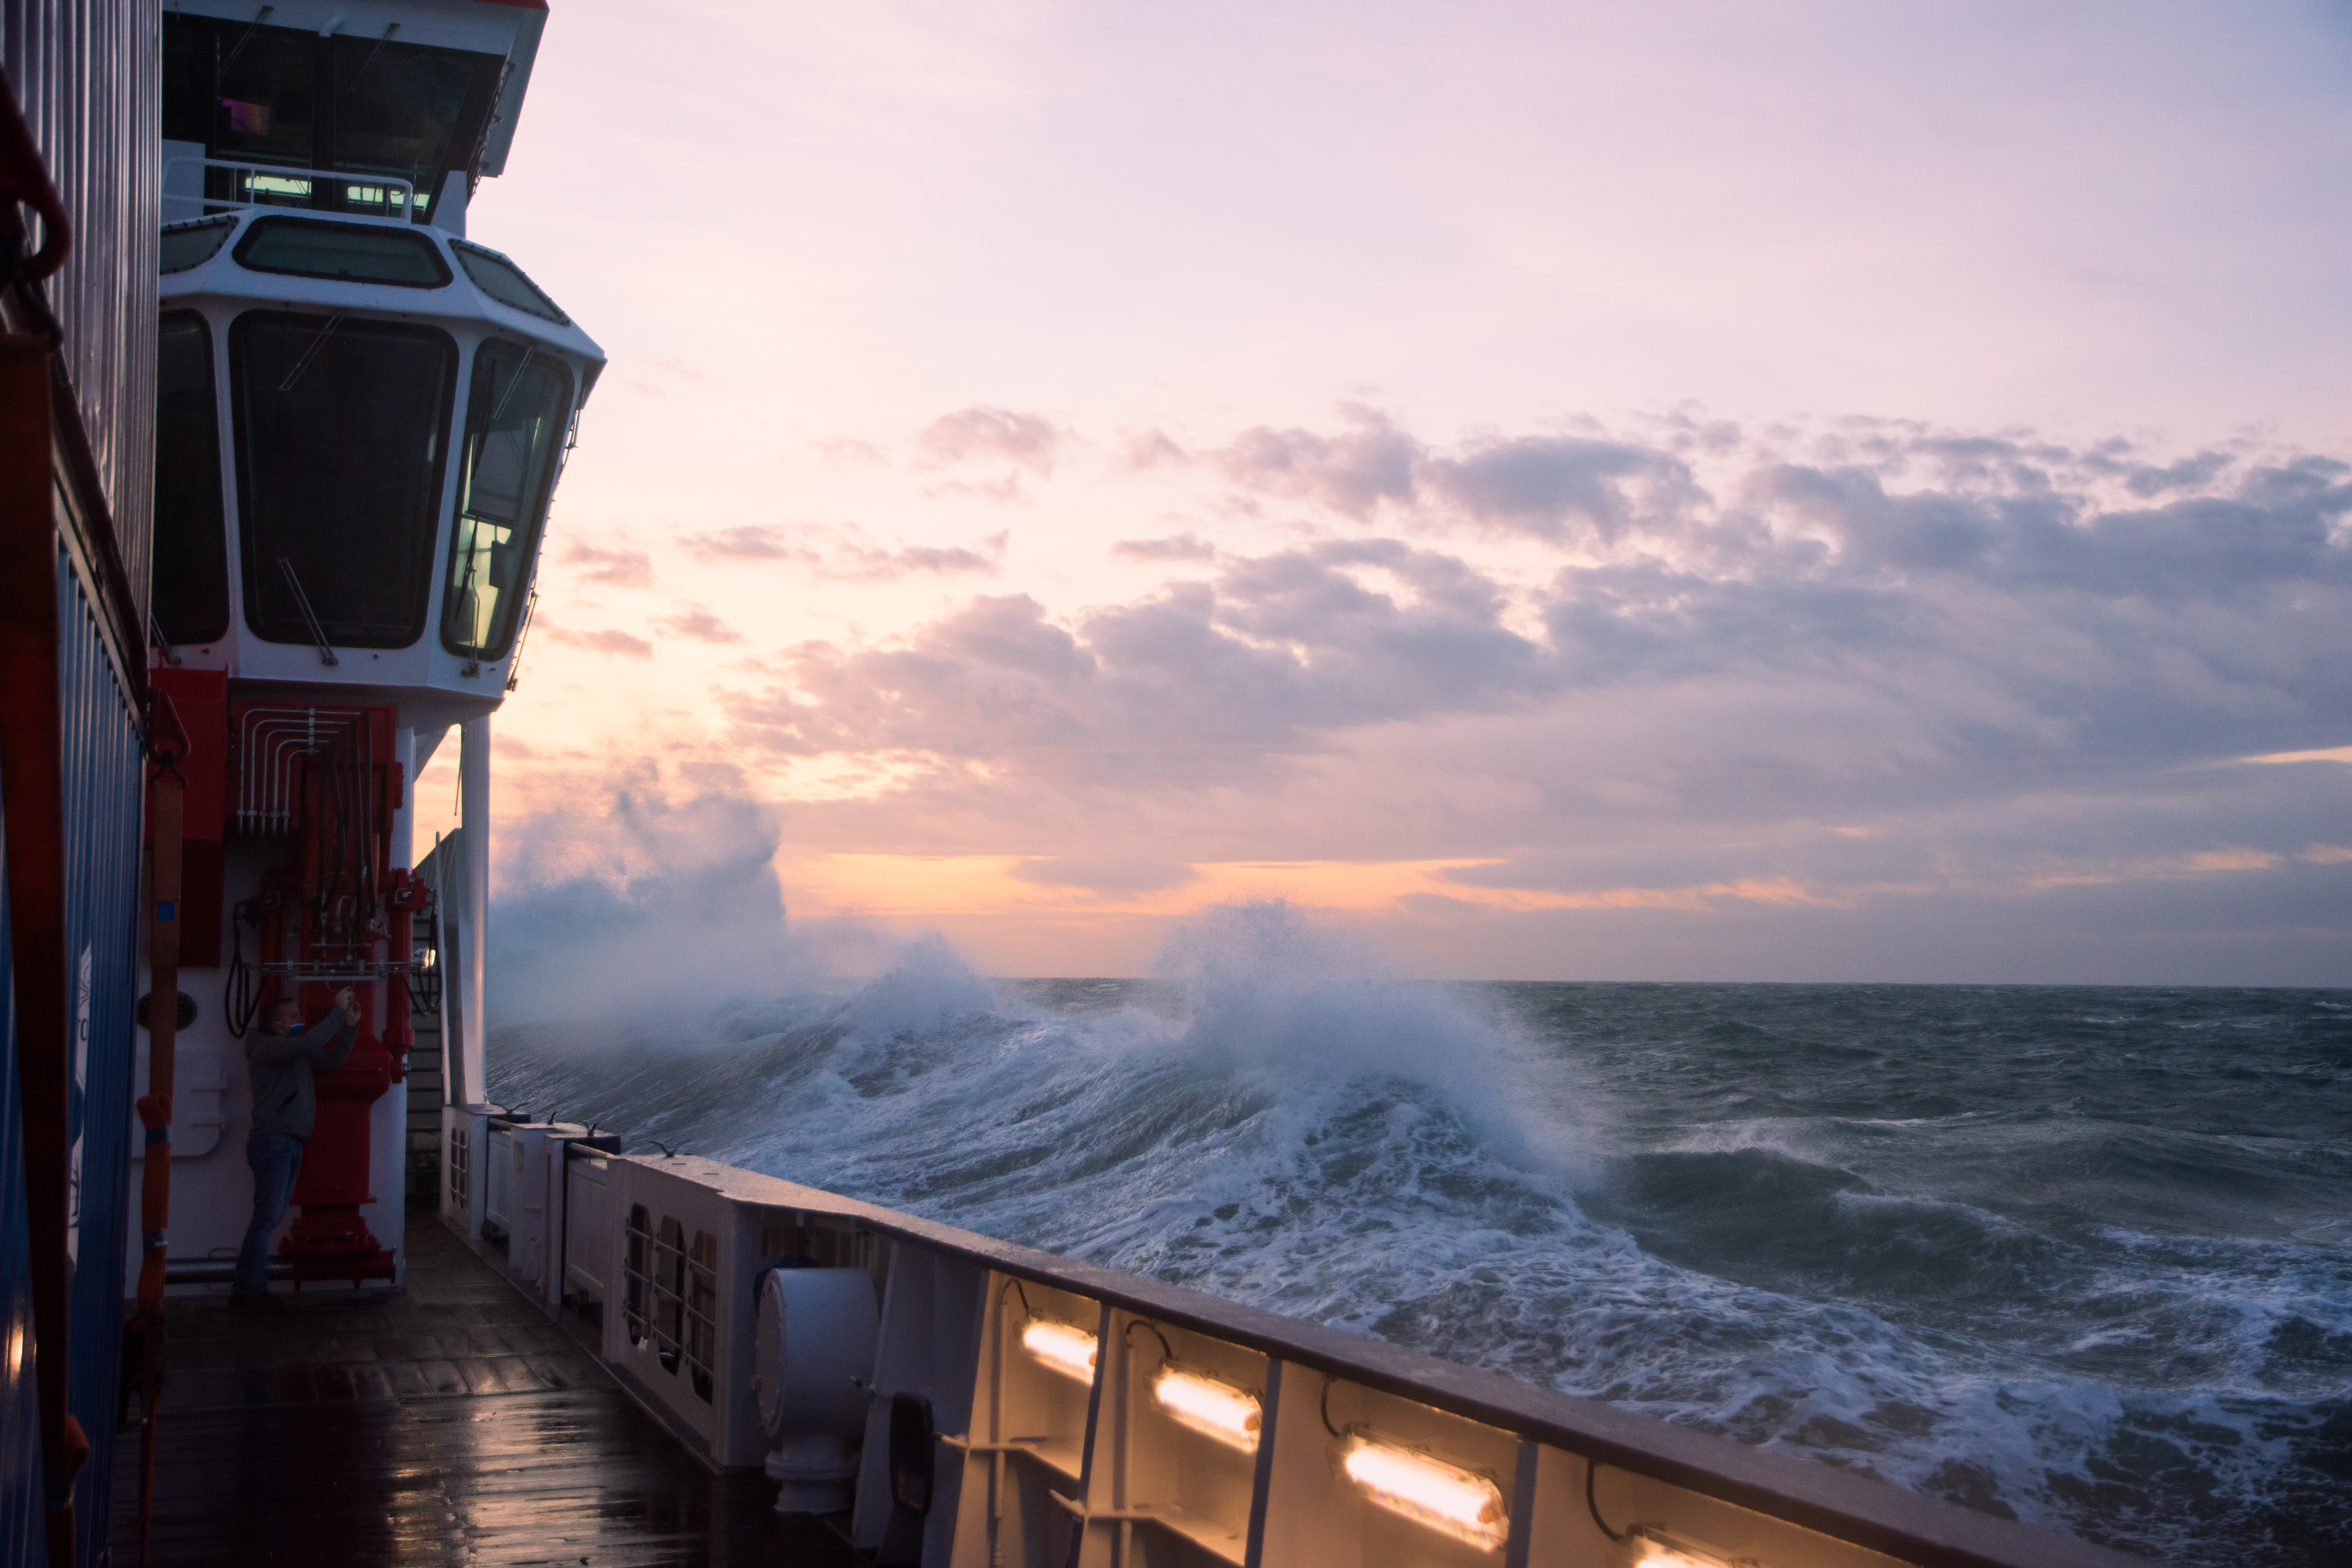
(2077, 1256)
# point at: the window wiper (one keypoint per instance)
(380, 43)
(259, 18)
(302, 601)
(513, 385)
(308, 355)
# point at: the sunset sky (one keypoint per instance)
(1809, 491)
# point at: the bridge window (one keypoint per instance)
(265, 105)
(365, 106)
(516, 414)
(191, 244)
(354, 252)
(341, 426)
(504, 281)
(397, 107)
(191, 586)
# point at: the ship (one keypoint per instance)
(279, 439)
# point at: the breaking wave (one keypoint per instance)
(2074, 1257)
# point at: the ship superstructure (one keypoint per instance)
(362, 417)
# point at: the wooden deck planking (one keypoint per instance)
(449, 1423)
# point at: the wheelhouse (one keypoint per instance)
(385, 110)
(360, 424)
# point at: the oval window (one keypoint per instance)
(348, 252)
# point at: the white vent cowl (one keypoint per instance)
(813, 1350)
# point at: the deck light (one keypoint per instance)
(1648, 1547)
(1429, 1491)
(1209, 1408)
(1060, 1348)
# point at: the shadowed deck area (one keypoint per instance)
(449, 1423)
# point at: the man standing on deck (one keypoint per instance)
(281, 1055)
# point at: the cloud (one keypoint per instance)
(1806, 672)
(2188, 473)
(700, 625)
(2320, 754)
(1549, 486)
(1681, 672)
(620, 568)
(756, 542)
(842, 555)
(1175, 547)
(1111, 875)
(881, 566)
(2010, 613)
(850, 451)
(1546, 485)
(993, 435)
(1352, 470)
(608, 641)
(1145, 449)
(1203, 680)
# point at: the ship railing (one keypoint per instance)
(283, 185)
(328, 970)
(1043, 1389)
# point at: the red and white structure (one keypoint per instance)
(362, 417)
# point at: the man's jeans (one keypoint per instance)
(274, 1158)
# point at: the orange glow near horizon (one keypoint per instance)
(904, 886)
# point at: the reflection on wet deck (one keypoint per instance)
(451, 1423)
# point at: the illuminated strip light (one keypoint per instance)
(1060, 1348)
(1647, 1547)
(383, 196)
(1211, 1408)
(1445, 1498)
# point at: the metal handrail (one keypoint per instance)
(1858, 1509)
(408, 188)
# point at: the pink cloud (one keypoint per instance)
(978, 434)
(1175, 547)
(842, 555)
(620, 568)
(608, 641)
(700, 625)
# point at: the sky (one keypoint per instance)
(1809, 491)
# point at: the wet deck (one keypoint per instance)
(449, 1423)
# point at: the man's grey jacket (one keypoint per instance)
(284, 1101)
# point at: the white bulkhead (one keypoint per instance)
(362, 414)
(361, 423)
